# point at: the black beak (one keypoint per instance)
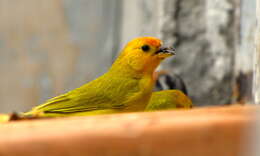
(166, 50)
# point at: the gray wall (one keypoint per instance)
(48, 47)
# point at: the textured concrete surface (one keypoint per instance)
(204, 34)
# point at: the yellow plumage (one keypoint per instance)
(127, 86)
(168, 99)
(4, 118)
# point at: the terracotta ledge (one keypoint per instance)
(212, 131)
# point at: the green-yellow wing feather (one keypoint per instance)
(91, 97)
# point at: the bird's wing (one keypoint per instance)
(68, 103)
(88, 98)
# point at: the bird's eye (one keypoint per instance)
(145, 48)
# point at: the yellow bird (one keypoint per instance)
(127, 86)
(168, 99)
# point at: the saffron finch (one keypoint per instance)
(127, 86)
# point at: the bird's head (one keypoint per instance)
(144, 54)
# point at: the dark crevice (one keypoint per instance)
(243, 88)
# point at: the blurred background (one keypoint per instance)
(48, 47)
